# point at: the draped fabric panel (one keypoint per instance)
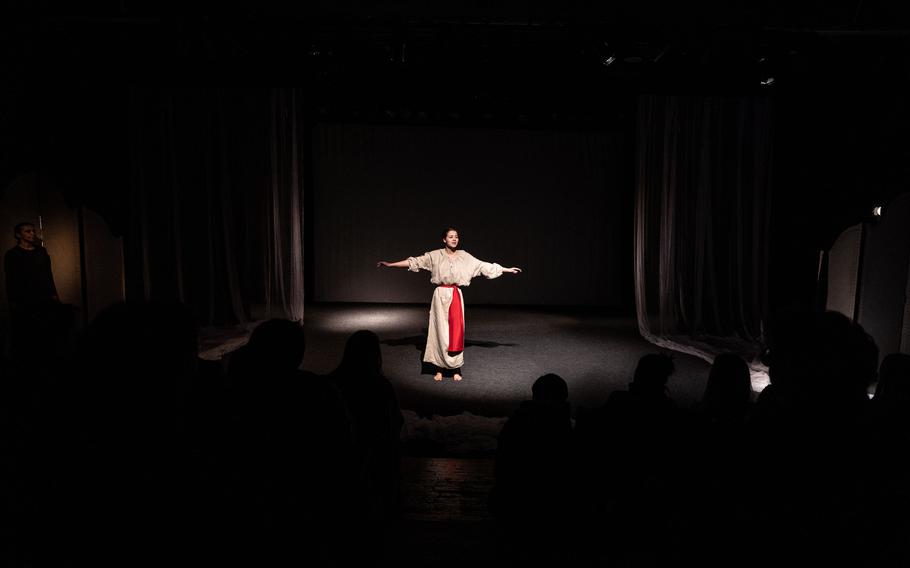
(284, 269)
(215, 202)
(702, 222)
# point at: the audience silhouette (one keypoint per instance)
(809, 446)
(728, 395)
(290, 451)
(888, 497)
(533, 477)
(376, 421)
(642, 431)
(716, 470)
(116, 462)
(133, 451)
(891, 403)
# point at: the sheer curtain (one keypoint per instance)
(284, 221)
(216, 202)
(702, 222)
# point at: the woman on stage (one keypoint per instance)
(450, 269)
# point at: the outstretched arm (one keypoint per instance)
(412, 263)
(489, 270)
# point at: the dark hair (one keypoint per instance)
(279, 342)
(362, 355)
(446, 232)
(550, 387)
(18, 228)
(825, 351)
(729, 381)
(652, 372)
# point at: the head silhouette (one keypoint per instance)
(729, 382)
(825, 353)
(362, 354)
(652, 373)
(550, 388)
(278, 344)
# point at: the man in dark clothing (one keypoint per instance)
(29, 280)
(30, 289)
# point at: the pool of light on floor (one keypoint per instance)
(374, 319)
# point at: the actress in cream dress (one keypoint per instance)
(450, 269)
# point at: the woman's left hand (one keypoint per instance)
(513, 270)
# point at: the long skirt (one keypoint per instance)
(437, 351)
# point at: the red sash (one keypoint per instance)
(456, 320)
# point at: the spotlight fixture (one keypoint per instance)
(877, 211)
(606, 53)
(765, 70)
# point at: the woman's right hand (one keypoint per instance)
(399, 264)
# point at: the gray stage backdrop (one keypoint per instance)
(551, 202)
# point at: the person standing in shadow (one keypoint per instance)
(36, 315)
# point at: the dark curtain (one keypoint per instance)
(215, 202)
(556, 203)
(702, 222)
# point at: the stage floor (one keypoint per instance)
(507, 348)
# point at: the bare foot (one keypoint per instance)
(437, 377)
(457, 377)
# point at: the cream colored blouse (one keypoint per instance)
(459, 269)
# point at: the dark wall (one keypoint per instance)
(842, 147)
(883, 280)
(555, 203)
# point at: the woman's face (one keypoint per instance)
(451, 239)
